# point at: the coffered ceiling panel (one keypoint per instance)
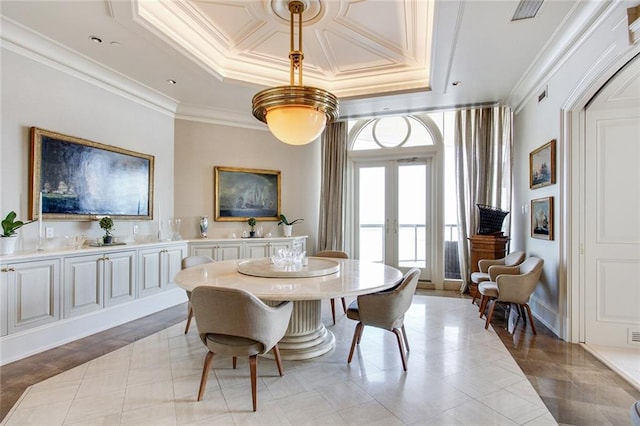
(350, 46)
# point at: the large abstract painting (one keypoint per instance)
(244, 193)
(77, 179)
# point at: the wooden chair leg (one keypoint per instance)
(333, 310)
(253, 366)
(490, 314)
(406, 341)
(398, 333)
(356, 339)
(235, 362)
(189, 316)
(344, 305)
(483, 305)
(276, 353)
(528, 309)
(205, 374)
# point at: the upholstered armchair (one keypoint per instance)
(188, 262)
(512, 259)
(511, 284)
(385, 310)
(234, 322)
(339, 255)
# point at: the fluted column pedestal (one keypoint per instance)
(306, 336)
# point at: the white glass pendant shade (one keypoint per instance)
(296, 124)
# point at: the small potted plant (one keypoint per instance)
(106, 223)
(9, 227)
(287, 225)
(252, 224)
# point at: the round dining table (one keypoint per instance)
(305, 285)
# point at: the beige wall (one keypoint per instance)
(38, 92)
(201, 146)
(572, 82)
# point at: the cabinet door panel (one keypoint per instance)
(204, 251)
(229, 251)
(83, 285)
(173, 259)
(257, 250)
(33, 295)
(150, 273)
(119, 278)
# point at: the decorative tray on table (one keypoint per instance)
(265, 268)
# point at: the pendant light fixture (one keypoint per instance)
(295, 114)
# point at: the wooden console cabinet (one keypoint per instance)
(485, 247)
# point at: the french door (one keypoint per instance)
(392, 219)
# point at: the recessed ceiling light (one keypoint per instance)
(171, 81)
(95, 39)
(455, 83)
(115, 43)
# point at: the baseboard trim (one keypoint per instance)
(30, 342)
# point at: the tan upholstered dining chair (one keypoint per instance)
(511, 284)
(512, 259)
(385, 310)
(188, 262)
(236, 323)
(338, 255)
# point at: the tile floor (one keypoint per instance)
(458, 374)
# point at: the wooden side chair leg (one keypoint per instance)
(528, 309)
(483, 305)
(490, 314)
(205, 374)
(406, 341)
(189, 316)
(344, 305)
(253, 366)
(235, 362)
(333, 310)
(398, 333)
(356, 340)
(276, 353)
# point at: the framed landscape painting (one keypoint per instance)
(77, 179)
(542, 165)
(244, 193)
(542, 218)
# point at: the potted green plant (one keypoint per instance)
(287, 225)
(106, 223)
(252, 224)
(9, 227)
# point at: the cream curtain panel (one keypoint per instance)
(334, 157)
(483, 142)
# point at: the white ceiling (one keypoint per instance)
(374, 54)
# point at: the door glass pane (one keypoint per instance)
(412, 193)
(371, 216)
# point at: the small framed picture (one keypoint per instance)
(542, 165)
(542, 218)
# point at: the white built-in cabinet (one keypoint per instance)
(51, 297)
(30, 294)
(247, 248)
(158, 266)
(96, 281)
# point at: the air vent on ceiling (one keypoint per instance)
(633, 337)
(527, 9)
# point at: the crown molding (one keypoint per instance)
(210, 115)
(30, 44)
(577, 26)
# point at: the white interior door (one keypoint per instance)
(612, 214)
(393, 213)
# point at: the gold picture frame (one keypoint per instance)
(77, 179)
(542, 165)
(243, 193)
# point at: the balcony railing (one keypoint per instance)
(412, 246)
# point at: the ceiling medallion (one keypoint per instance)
(296, 114)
